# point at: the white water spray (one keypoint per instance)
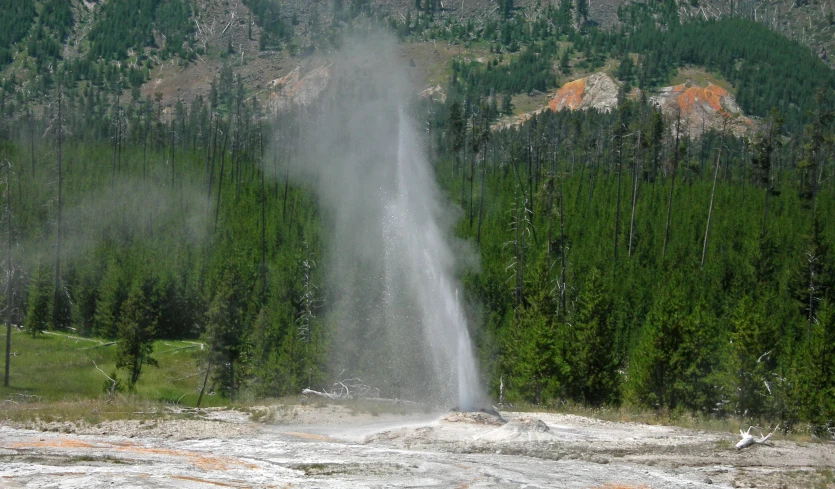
(416, 248)
(393, 304)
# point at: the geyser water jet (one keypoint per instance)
(416, 246)
(393, 304)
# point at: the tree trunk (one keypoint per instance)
(617, 204)
(8, 274)
(672, 186)
(635, 172)
(263, 221)
(481, 198)
(220, 178)
(32, 141)
(286, 188)
(472, 177)
(710, 209)
(56, 305)
(206, 377)
(562, 257)
(172, 155)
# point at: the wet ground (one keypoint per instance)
(337, 447)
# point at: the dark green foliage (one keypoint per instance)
(136, 333)
(56, 15)
(16, 18)
(506, 8)
(593, 358)
(731, 337)
(274, 29)
(39, 303)
(125, 25)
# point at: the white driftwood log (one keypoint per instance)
(748, 439)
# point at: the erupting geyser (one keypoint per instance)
(415, 246)
(393, 300)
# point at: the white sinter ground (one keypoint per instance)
(333, 446)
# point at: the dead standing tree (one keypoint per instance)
(713, 191)
(58, 128)
(672, 184)
(9, 269)
(309, 301)
(520, 226)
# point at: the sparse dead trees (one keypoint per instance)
(555, 188)
(456, 134)
(619, 135)
(520, 227)
(636, 170)
(117, 123)
(263, 216)
(480, 138)
(817, 149)
(309, 300)
(220, 175)
(57, 127)
(9, 269)
(767, 142)
(713, 191)
(672, 184)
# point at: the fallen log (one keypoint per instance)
(327, 395)
(748, 439)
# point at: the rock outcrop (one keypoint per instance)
(597, 91)
(702, 108)
(294, 89)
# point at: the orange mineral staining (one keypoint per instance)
(710, 95)
(569, 96)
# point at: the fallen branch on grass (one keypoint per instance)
(76, 338)
(101, 345)
(112, 389)
(748, 439)
(327, 395)
(181, 348)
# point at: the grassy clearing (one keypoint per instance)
(59, 368)
(701, 78)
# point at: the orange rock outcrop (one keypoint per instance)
(569, 96)
(688, 97)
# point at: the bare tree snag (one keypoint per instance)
(9, 272)
(672, 185)
(59, 131)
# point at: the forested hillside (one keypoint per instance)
(621, 262)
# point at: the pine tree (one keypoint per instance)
(749, 387)
(225, 335)
(593, 354)
(37, 315)
(137, 328)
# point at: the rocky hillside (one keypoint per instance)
(701, 108)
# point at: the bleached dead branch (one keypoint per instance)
(748, 439)
(112, 389)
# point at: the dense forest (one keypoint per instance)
(621, 262)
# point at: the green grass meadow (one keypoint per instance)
(58, 367)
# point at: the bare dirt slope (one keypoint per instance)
(335, 447)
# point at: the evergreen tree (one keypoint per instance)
(137, 328)
(593, 353)
(39, 306)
